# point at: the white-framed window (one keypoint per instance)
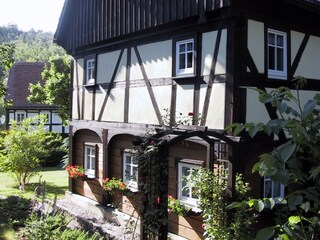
(185, 57)
(272, 189)
(186, 193)
(90, 160)
(90, 71)
(20, 117)
(277, 54)
(130, 170)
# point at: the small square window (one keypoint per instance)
(277, 54)
(20, 117)
(185, 57)
(272, 189)
(90, 71)
(130, 170)
(186, 193)
(90, 161)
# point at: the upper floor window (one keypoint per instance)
(20, 117)
(185, 57)
(273, 189)
(90, 71)
(277, 54)
(130, 170)
(186, 192)
(90, 160)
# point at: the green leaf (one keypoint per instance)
(314, 172)
(282, 107)
(305, 206)
(265, 233)
(308, 108)
(286, 150)
(238, 129)
(294, 219)
(234, 205)
(259, 205)
(293, 201)
(270, 202)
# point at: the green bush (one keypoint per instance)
(40, 226)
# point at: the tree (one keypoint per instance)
(23, 146)
(6, 62)
(56, 89)
(294, 163)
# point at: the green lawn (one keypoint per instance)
(56, 183)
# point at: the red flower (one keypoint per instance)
(190, 114)
(158, 200)
(152, 142)
(107, 179)
(202, 225)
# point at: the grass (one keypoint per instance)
(56, 183)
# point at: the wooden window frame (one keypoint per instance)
(273, 183)
(184, 72)
(131, 184)
(90, 80)
(274, 73)
(18, 117)
(89, 171)
(190, 201)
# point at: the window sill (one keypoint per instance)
(186, 76)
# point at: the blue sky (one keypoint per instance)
(37, 14)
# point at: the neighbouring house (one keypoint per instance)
(20, 76)
(136, 61)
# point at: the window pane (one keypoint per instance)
(182, 61)
(280, 40)
(189, 61)
(276, 190)
(182, 48)
(190, 46)
(280, 59)
(271, 58)
(267, 188)
(271, 39)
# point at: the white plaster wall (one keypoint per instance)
(106, 66)
(114, 107)
(296, 39)
(157, 59)
(309, 65)
(140, 107)
(11, 117)
(74, 104)
(216, 109)
(208, 45)
(163, 98)
(135, 71)
(256, 43)
(30, 114)
(184, 99)
(80, 65)
(88, 105)
(256, 111)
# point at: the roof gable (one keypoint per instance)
(20, 76)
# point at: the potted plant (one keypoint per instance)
(75, 171)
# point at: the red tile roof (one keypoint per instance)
(20, 76)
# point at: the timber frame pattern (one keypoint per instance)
(133, 44)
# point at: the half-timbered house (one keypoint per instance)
(135, 61)
(21, 75)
